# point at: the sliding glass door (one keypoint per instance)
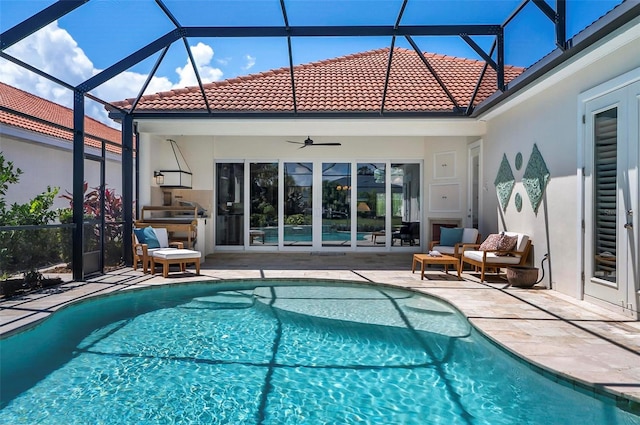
(336, 204)
(298, 203)
(317, 204)
(263, 195)
(371, 204)
(230, 204)
(406, 214)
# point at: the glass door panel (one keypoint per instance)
(336, 204)
(405, 204)
(298, 203)
(605, 157)
(371, 204)
(230, 205)
(263, 192)
(611, 198)
(605, 191)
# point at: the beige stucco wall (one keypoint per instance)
(47, 162)
(551, 119)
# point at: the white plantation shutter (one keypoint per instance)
(605, 191)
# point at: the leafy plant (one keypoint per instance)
(25, 250)
(297, 219)
(8, 175)
(92, 207)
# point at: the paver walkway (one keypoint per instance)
(596, 349)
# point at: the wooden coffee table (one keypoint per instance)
(446, 260)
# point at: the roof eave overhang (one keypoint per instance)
(168, 114)
(616, 22)
(303, 126)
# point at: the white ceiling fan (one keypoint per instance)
(309, 142)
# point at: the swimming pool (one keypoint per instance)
(267, 352)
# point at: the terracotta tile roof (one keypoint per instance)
(348, 83)
(49, 117)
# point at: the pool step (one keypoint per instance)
(225, 301)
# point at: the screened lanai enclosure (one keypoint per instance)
(262, 199)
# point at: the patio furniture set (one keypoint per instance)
(460, 246)
(152, 246)
(456, 247)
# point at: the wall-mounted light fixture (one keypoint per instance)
(177, 177)
(159, 177)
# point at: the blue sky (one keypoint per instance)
(101, 32)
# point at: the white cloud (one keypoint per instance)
(202, 55)
(54, 51)
(249, 62)
(127, 84)
(224, 61)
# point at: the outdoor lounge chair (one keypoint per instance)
(147, 240)
(490, 255)
(451, 240)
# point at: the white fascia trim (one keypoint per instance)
(28, 136)
(608, 87)
(628, 34)
(317, 127)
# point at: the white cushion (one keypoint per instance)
(149, 250)
(449, 250)
(176, 254)
(492, 257)
(163, 237)
(161, 234)
(469, 235)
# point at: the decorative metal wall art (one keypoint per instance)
(535, 179)
(504, 182)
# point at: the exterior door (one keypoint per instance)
(473, 185)
(611, 199)
(230, 204)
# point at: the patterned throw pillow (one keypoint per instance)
(507, 243)
(491, 243)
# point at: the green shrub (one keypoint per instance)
(93, 209)
(26, 250)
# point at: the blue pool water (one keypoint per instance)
(292, 353)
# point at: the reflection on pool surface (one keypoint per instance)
(234, 353)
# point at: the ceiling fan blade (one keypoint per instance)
(309, 142)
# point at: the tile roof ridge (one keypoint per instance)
(345, 57)
(251, 77)
(248, 77)
(443, 56)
